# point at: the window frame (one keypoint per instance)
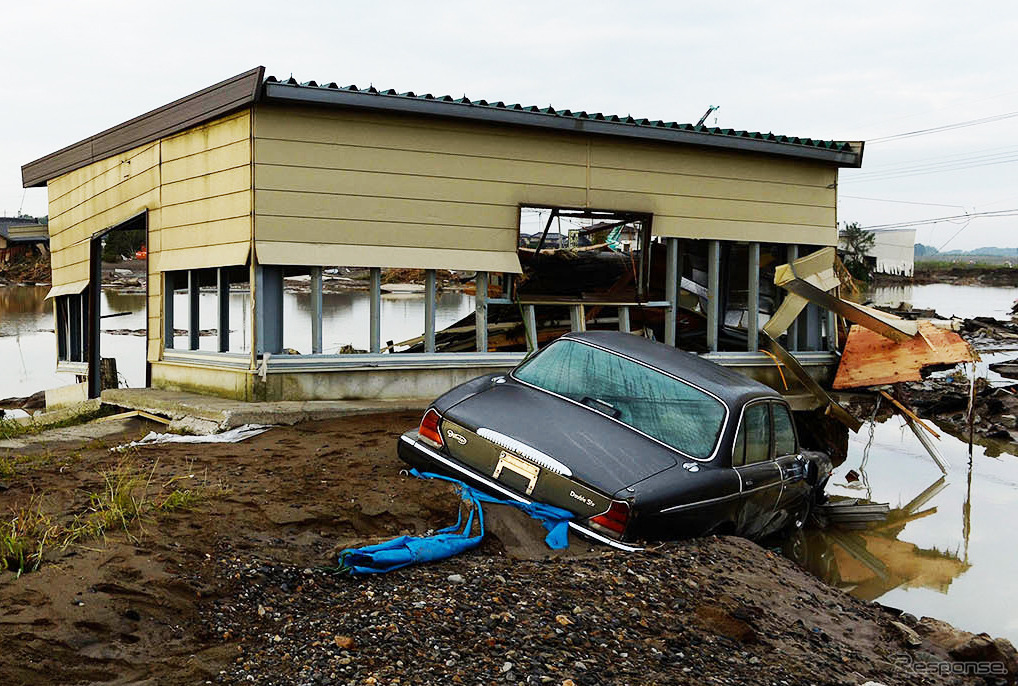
(771, 402)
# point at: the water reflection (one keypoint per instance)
(949, 300)
(28, 344)
(944, 544)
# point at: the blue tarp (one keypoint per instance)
(452, 540)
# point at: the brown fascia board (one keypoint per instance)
(192, 110)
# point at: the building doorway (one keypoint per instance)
(125, 244)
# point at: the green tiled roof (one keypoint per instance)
(839, 146)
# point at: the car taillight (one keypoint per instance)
(615, 518)
(429, 430)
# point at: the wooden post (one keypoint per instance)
(792, 340)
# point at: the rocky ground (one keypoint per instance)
(239, 586)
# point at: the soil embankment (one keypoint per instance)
(953, 274)
(231, 588)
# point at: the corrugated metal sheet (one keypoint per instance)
(839, 146)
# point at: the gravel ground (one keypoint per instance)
(718, 610)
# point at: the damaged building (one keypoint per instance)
(680, 232)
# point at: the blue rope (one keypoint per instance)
(404, 551)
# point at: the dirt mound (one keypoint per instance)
(239, 586)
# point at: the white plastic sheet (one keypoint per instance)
(235, 435)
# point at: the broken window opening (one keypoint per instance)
(207, 309)
(72, 326)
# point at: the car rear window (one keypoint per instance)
(660, 406)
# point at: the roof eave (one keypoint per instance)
(296, 94)
(192, 110)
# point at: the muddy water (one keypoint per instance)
(28, 344)
(955, 559)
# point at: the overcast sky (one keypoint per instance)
(849, 71)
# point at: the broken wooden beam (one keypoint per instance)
(791, 364)
(810, 279)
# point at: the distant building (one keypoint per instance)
(21, 235)
(893, 252)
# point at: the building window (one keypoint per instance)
(72, 327)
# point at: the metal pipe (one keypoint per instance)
(753, 299)
(223, 302)
(671, 288)
(193, 293)
(792, 341)
(375, 309)
(624, 325)
(168, 283)
(430, 295)
(316, 310)
(577, 318)
(530, 327)
(713, 293)
(481, 310)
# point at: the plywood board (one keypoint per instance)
(869, 359)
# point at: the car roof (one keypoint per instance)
(733, 388)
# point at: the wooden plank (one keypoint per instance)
(681, 183)
(645, 157)
(389, 184)
(383, 234)
(212, 135)
(869, 359)
(207, 186)
(731, 230)
(385, 209)
(792, 365)
(418, 134)
(909, 413)
(724, 209)
(218, 159)
(307, 158)
(206, 210)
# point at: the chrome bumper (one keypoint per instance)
(496, 486)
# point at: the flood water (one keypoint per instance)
(28, 344)
(954, 559)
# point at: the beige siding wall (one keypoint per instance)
(197, 188)
(325, 179)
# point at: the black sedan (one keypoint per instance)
(639, 440)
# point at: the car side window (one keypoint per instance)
(758, 433)
(739, 449)
(784, 433)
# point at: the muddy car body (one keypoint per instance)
(639, 440)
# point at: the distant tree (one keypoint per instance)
(856, 242)
(119, 245)
(924, 250)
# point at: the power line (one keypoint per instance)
(945, 127)
(900, 202)
(936, 220)
(923, 170)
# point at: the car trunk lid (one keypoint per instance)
(577, 452)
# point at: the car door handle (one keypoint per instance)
(749, 482)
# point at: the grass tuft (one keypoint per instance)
(24, 538)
